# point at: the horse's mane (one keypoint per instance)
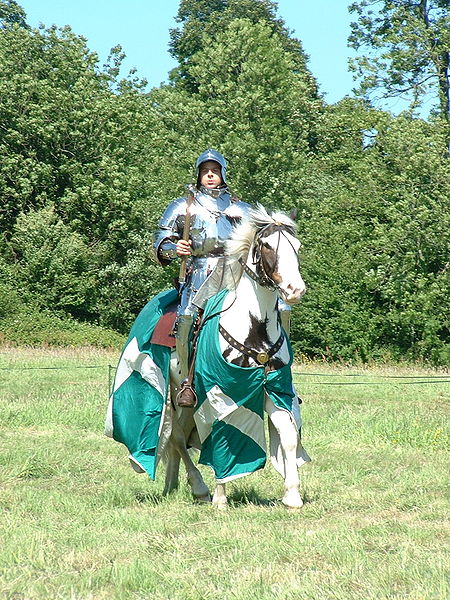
(239, 244)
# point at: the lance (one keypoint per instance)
(186, 230)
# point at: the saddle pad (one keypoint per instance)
(163, 332)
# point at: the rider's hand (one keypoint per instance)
(184, 247)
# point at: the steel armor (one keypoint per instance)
(213, 214)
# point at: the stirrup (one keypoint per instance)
(186, 397)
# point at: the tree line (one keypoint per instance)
(89, 160)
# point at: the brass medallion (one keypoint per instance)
(262, 357)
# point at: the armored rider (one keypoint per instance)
(213, 214)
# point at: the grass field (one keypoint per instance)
(78, 524)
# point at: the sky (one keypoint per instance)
(142, 27)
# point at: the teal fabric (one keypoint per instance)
(233, 441)
(230, 411)
(137, 405)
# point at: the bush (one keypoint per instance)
(10, 301)
(33, 328)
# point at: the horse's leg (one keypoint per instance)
(182, 425)
(172, 459)
(288, 434)
(171, 456)
(182, 428)
(220, 498)
(178, 447)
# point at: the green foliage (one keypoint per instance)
(32, 326)
(376, 239)
(407, 46)
(202, 21)
(11, 14)
(88, 163)
(24, 321)
(125, 288)
(409, 273)
(260, 112)
(47, 95)
(10, 300)
(53, 264)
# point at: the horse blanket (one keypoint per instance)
(229, 415)
(230, 411)
(137, 407)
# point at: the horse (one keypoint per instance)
(262, 258)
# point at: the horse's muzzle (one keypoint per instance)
(292, 295)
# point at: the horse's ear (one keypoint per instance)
(293, 214)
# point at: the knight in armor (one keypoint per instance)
(213, 214)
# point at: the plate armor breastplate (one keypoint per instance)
(213, 215)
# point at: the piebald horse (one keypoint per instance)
(264, 253)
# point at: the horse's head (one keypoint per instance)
(269, 244)
(275, 254)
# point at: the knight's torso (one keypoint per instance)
(213, 216)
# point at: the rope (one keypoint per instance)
(379, 376)
(51, 368)
(417, 379)
(375, 382)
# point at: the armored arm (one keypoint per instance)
(169, 231)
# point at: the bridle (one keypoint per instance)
(261, 276)
(264, 279)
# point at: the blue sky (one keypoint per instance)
(141, 27)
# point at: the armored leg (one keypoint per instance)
(285, 317)
(186, 396)
(184, 326)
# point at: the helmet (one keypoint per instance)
(211, 154)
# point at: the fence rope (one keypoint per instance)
(52, 368)
(417, 379)
(372, 382)
(364, 375)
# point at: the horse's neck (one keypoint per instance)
(251, 302)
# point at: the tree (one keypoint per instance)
(407, 44)
(51, 263)
(203, 20)
(409, 269)
(259, 110)
(47, 90)
(11, 14)
(76, 139)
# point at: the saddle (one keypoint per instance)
(163, 333)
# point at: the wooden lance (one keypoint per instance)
(186, 230)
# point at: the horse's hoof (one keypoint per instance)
(220, 505)
(203, 499)
(220, 502)
(292, 500)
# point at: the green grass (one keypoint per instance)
(78, 524)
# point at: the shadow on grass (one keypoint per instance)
(244, 497)
(148, 497)
(249, 496)
(237, 498)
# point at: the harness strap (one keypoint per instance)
(264, 281)
(261, 357)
